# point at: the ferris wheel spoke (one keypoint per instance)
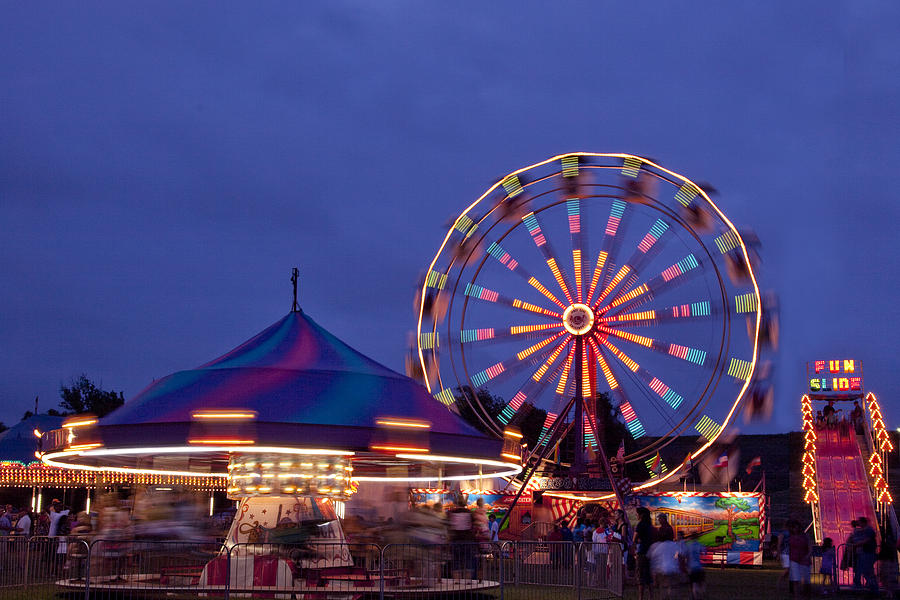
(543, 244)
(617, 215)
(573, 209)
(690, 311)
(510, 366)
(632, 422)
(492, 334)
(671, 397)
(532, 386)
(499, 253)
(670, 278)
(482, 293)
(692, 355)
(628, 274)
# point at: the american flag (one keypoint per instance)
(753, 463)
(722, 461)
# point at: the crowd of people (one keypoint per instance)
(831, 417)
(861, 553)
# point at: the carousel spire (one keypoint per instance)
(295, 277)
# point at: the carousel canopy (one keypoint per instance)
(300, 390)
(293, 372)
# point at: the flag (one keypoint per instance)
(722, 461)
(657, 465)
(620, 454)
(753, 463)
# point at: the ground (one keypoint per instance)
(733, 583)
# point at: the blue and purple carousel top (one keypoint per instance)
(292, 372)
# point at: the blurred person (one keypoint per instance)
(864, 542)
(566, 549)
(665, 566)
(600, 540)
(799, 552)
(848, 560)
(622, 534)
(554, 538)
(6, 525)
(59, 517)
(59, 528)
(664, 531)
(480, 520)
(23, 524)
(494, 527)
(578, 532)
(644, 537)
(462, 538)
(828, 567)
(690, 551)
(856, 418)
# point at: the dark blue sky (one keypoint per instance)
(163, 165)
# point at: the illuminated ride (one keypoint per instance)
(844, 459)
(291, 422)
(589, 273)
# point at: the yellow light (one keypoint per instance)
(513, 434)
(510, 456)
(531, 350)
(37, 432)
(224, 414)
(400, 448)
(84, 446)
(77, 423)
(403, 423)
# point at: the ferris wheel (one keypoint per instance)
(589, 273)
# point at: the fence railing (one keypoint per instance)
(41, 567)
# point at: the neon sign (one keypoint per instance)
(834, 376)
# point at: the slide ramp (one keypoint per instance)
(843, 485)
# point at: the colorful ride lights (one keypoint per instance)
(512, 444)
(400, 434)
(223, 427)
(834, 376)
(80, 433)
(275, 474)
(810, 494)
(879, 431)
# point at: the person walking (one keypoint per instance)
(864, 542)
(828, 568)
(799, 552)
(644, 537)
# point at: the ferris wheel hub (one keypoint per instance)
(578, 319)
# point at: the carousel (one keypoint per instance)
(292, 423)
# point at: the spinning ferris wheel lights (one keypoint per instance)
(669, 369)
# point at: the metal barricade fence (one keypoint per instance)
(133, 569)
(466, 570)
(123, 569)
(30, 567)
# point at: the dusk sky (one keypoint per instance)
(164, 165)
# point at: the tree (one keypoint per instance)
(732, 506)
(83, 395)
